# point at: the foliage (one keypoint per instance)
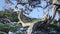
(8, 27)
(14, 18)
(33, 4)
(57, 28)
(27, 19)
(5, 27)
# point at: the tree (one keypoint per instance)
(34, 4)
(56, 5)
(21, 11)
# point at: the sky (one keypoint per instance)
(36, 13)
(1, 4)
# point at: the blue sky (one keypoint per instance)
(36, 13)
(1, 4)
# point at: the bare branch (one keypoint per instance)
(8, 1)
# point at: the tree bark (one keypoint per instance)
(53, 12)
(19, 17)
(34, 26)
(29, 31)
(56, 2)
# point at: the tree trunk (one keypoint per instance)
(35, 26)
(19, 17)
(53, 13)
(56, 2)
(59, 13)
(19, 12)
(29, 31)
